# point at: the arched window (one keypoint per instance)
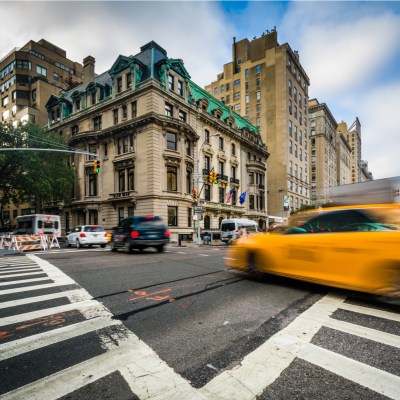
(207, 222)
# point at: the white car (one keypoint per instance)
(87, 235)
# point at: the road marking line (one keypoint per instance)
(364, 332)
(25, 345)
(14, 319)
(204, 255)
(227, 258)
(370, 311)
(15, 261)
(4, 276)
(32, 288)
(22, 269)
(180, 252)
(370, 377)
(74, 296)
(19, 266)
(147, 375)
(32, 280)
(264, 365)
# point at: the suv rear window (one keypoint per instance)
(154, 223)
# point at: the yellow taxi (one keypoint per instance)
(349, 247)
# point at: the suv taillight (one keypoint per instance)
(134, 234)
(167, 233)
(82, 234)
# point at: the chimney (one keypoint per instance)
(88, 70)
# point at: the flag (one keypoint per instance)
(229, 195)
(242, 198)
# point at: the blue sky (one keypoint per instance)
(350, 50)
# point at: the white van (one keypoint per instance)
(230, 228)
(34, 224)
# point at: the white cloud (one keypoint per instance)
(196, 32)
(380, 133)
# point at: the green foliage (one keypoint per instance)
(24, 174)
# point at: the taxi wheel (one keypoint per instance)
(78, 244)
(391, 293)
(67, 243)
(252, 264)
(102, 246)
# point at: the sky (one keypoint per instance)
(349, 50)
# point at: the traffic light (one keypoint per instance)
(195, 194)
(211, 177)
(215, 180)
(96, 166)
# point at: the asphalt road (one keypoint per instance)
(207, 325)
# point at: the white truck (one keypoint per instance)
(230, 228)
(35, 224)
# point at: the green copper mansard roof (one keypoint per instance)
(198, 93)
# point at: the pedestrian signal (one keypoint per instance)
(195, 194)
(96, 166)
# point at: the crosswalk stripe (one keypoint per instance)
(264, 365)
(14, 319)
(32, 288)
(364, 332)
(17, 267)
(3, 276)
(142, 368)
(371, 311)
(370, 377)
(74, 295)
(25, 345)
(32, 280)
(13, 270)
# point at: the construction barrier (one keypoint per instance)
(28, 242)
(50, 241)
(25, 242)
(5, 242)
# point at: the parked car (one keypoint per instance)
(140, 233)
(350, 247)
(87, 235)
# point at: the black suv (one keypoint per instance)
(139, 233)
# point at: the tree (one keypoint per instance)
(25, 174)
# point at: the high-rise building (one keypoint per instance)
(29, 76)
(323, 144)
(353, 137)
(343, 155)
(266, 83)
(157, 136)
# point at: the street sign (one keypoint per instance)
(198, 210)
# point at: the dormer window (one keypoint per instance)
(171, 82)
(180, 88)
(93, 95)
(129, 80)
(119, 85)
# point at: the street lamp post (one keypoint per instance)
(198, 239)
